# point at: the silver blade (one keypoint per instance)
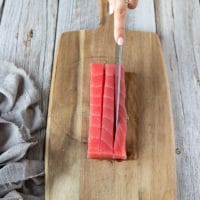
(118, 78)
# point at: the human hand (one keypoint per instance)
(119, 8)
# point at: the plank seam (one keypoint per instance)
(55, 34)
(54, 49)
(155, 15)
(178, 62)
(2, 10)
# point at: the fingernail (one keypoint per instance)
(111, 9)
(120, 41)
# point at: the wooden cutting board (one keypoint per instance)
(149, 172)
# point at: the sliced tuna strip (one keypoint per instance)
(101, 142)
(96, 104)
(107, 128)
(120, 135)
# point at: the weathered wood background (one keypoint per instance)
(29, 30)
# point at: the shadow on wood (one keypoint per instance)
(131, 106)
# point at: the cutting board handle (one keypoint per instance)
(105, 18)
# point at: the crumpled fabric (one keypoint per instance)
(20, 122)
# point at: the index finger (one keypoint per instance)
(119, 21)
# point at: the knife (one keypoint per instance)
(117, 82)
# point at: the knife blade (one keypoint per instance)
(117, 83)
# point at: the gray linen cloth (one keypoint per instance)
(20, 122)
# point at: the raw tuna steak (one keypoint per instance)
(102, 141)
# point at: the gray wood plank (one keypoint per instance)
(143, 17)
(76, 15)
(27, 35)
(178, 26)
(1, 3)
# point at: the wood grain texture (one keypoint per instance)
(131, 107)
(178, 26)
(142, 18)
(69, 174)
(27, 35)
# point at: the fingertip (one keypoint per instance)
(120, 41)
(119, 38)
(120, 12)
